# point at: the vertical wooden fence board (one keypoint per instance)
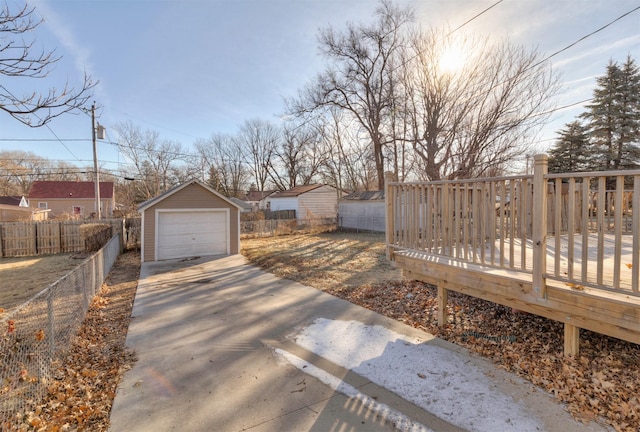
(635, 264)
(618, 211)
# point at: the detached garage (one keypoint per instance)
(189, 220)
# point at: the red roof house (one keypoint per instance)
(74, 198)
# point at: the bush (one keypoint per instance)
(95, 236)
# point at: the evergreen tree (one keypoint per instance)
(613, 118)
(572, 150)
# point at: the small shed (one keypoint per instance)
(362, 211)
(308, 201)
(259, 200)
(189, 220)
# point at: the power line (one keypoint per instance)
(43, 139)
(43, 159)
(476, 16)
(562, 107)
(61, 173)
(585, 37)
(405, 62)
(45, 124)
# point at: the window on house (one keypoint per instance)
(42, 205)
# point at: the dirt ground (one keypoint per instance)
(84, 385)
(601, 384)
(22, 278)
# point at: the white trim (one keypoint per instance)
(227, 212)
(142, 238)
(238, 224)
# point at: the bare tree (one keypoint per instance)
(19, 169)
(348, 163)
(20, 58)
(298, 157)
(258, 140)
(473, 120)
(154, 160)
(223, 160)
(359, 81)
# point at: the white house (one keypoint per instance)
(308, 201)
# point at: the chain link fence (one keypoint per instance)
(35, 336)
(363, 223)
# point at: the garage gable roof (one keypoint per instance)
(296, 191)
(365, 196)
(153, 201)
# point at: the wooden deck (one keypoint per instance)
(449, 234)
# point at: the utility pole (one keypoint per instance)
(95, 161)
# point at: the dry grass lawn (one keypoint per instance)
(22, 278)
(325, 260)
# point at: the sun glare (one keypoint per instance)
(452, 60)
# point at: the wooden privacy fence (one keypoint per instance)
(19, 239)
(563, 246)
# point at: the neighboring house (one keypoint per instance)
(16, 208)
(308, 201)
(244, 206)
(362, 211)
(259, 200)
(74, 198)
(187, 221)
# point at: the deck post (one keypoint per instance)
(443, 295)
(389, 222)
(539, 221)
(571, 339)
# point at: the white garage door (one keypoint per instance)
(191, 233)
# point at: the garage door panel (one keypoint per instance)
(184, 234)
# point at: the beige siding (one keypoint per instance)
(321, 202)
(192, 196)
(60, 206)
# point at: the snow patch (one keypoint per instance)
(438, 380)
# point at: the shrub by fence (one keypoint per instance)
(36, 335)
(263, 228)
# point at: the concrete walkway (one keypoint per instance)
(216, 347)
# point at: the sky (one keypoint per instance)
(189, 69)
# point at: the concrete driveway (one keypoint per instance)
(225, 346)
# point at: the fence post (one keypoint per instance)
(51, 319)
(539, 220)
(388, 201)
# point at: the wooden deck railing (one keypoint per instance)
(574, 230)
